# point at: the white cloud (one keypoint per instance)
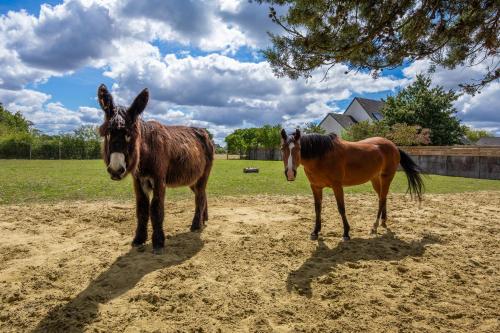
(215, 90)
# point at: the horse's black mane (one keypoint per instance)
(316, 145)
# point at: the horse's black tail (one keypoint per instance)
(413, 174)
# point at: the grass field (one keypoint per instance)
(49, 181)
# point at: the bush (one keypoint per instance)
(400, 134)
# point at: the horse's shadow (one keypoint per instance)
(324, 259)
(122, 276)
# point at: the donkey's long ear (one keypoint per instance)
(296, 135)
(283, 135)
(105, 100)
(139, 104)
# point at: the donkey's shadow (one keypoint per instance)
(324, 259)
(122, 276)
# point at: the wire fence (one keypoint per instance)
(51, 150)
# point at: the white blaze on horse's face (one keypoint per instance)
(290, 174)
(117, 166)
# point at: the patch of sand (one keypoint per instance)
(68, 267)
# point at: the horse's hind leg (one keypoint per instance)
(384, 182)
(377, 187)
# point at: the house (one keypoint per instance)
(490, 141)
(360, 109)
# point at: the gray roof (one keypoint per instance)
(344, 120)
(492, 141)
(371, 106)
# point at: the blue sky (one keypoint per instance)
(200, 59)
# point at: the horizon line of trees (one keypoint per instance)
(417, 115)
(19, 139)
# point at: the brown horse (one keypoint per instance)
(157, 156)
(331, 162)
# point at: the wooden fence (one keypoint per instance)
(463, 161)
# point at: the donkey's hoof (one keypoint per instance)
(139, 247)
(314, 236)
(158, 250)
(346, 238)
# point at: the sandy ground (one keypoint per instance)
(68, 267)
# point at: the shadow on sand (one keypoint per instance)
(324, 259)
(122, 276)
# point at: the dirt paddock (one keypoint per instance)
(68, 267)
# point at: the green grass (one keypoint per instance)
(48, 181)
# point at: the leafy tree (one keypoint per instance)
(365, 129)
(432, 108)
(241, 140)
(268, 136)
(313, 128)
(376, 35)
(400, 134)
(409, 135)
(13, 122)
(474, 135)
(88, 133)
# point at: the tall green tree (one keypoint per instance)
(13, 122)
(377, 35)
(426, 106)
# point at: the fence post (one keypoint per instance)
(59, 149)
(30, 151)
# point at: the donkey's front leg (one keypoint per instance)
(157, 214)
(142, 212)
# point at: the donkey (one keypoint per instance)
(157, 156)
(331, 162)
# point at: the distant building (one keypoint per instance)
(360, 109)
(492, 141)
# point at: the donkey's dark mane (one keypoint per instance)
(316, 145)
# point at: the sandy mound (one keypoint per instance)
(68, 267)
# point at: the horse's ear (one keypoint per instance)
(105, 100)
(283, 134)
(139, 104)
(296, 135)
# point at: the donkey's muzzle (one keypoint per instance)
(116, 174)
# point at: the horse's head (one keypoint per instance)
(121, 132)
(290, 148)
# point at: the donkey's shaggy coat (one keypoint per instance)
(157, 156)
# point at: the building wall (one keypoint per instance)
(330, 125)
(356, 111)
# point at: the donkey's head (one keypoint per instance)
(121, 132)
(290, 149)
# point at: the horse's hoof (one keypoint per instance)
(139, 247)
(158, 250)
(314, 236)
(346, 238)
(195, 228)
(383, 225)
(373, 232)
